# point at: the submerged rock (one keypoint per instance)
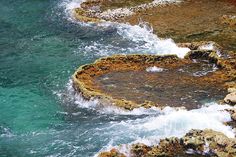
(196, 143)
(124, 81)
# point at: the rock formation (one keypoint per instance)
(173, 20)
(122, 80)
(196, 143)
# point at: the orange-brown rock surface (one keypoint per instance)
(189, 20)
(196, 143)
(124, 81)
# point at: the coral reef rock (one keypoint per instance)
(133, 81)
(196, 143)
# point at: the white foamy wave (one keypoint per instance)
(72, 96)
(5, 132)
(149, 42)
(138, 39)
(99, 49)
(68, 6)
(177, 123)
(141, 36)
(172, 123)
(157, 124)
(169, 122)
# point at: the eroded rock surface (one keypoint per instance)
(196, 143)
(229, 20)
(113, 10)
(189, 20)
(124, 81)
(230, 98)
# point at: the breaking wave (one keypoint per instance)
(156, 124)
(170, 123)
(129, 39)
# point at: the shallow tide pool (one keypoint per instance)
(40, 113)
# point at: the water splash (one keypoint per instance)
(156, 124)
(171, 123)
(138, 38)
(147, 41)
(148, 126)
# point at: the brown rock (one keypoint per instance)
(202, 142)
(122, 80)
(112, 153)
(229, 20)
(230, 98)
(231, 90)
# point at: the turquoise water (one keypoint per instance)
(40, 114)
(40, 50)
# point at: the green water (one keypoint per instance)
(39, 51)
(37, 57)
(40, 48)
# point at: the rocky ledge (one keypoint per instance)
(133, 81)
(106, 10)
(169, 20)
(196, 143)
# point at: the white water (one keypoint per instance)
(142, 37)
(170, 123)
(157, 123)
(148, 42)
(166, 122)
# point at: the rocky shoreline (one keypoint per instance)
(96, 80)
(99, 10)
(196, 143)
(92, 80)
(170, 19)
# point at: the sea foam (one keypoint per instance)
(141, 36)
(157, 123)
(170, 123)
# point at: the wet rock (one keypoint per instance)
(202, 45)
(112, 11)
(140, 149)
(230, 98)
(196, 143)
(231, 90)
(112, 153)
(166, 23)
(232, 113)
(229, 20)
(85, 16)
(122, 80)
